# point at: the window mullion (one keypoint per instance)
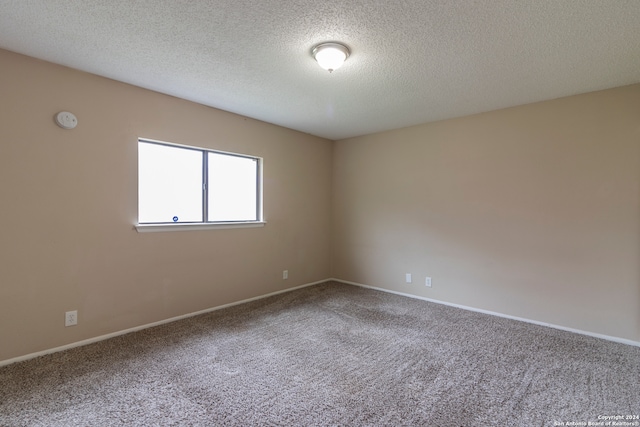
(205, 191)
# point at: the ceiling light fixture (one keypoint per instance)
(330, 56)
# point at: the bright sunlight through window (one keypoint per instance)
(187, 185)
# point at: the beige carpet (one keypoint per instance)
(330, 354)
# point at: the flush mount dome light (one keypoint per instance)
(330, 56)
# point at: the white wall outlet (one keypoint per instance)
(71, 318)
(407, 278)
(427, 282)
(285, 274)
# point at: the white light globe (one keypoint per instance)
(331, 56)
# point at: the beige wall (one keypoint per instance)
(69, 201)
(531, 211)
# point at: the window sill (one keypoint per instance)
(150, 228)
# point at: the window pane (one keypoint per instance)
(169, 184)
(232, 188)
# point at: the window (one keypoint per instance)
(180, 185)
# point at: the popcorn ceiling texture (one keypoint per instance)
(412, 61)
(330, 354)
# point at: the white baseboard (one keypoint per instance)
(493, 313)
(208, 310)
(148, 325)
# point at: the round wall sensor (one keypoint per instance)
(66, 120)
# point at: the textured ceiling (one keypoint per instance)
(412, 61)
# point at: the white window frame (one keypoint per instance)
(204, 224)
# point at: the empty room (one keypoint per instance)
(296, 213)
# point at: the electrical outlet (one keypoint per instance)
(71, 318)
(407, 278)
(285, 274)
(427, 282)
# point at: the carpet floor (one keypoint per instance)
(330, 354)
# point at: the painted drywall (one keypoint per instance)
(69, 202)
(531, 211)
